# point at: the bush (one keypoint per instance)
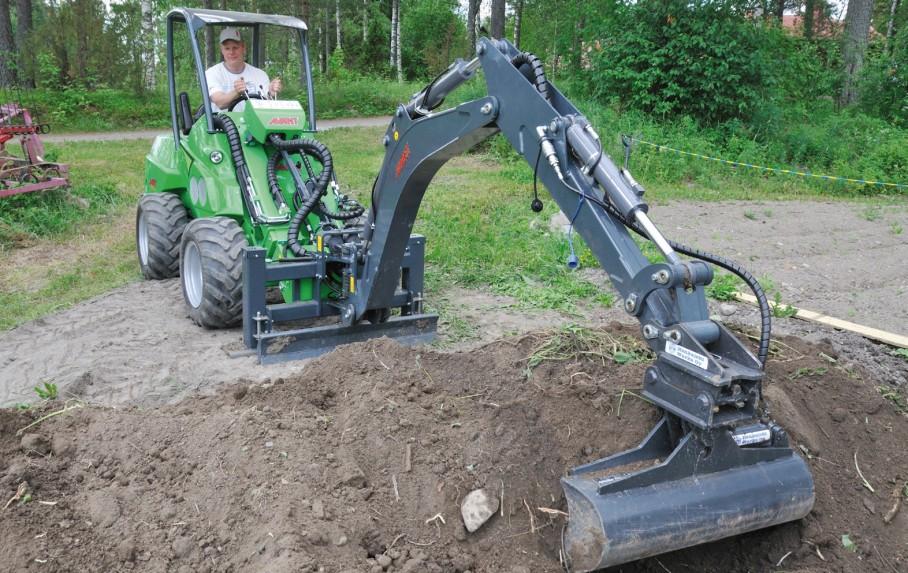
(674, 58)
(884, 84)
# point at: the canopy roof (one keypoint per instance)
(199, 17)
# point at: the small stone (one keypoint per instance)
(460, 534)
(477, 508)
(587, 450)
(869, 505)
(353, 477)
(240, 393)
(182, 546)
(126, 550)
(35, 445)
(340, 540)
(726, 309)
(384, 561)
(318, 509)
(62, 446)
(838, 414)
(269, 444)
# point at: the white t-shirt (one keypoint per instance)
(220, 79)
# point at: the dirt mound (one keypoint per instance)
(360, 464)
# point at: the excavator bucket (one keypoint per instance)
(655, 498)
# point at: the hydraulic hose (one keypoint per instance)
(224, 123)
(727, 264)
(532, 69)
(321, 153)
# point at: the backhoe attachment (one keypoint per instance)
(715, 465)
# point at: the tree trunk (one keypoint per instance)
(304, 13)
(498, 19)
(210, 53)
(148, 44)
(392, 53)
(472, 17)
(809, 12)
(518, 15)
(400, 72)
(780, 10)
(23, 34)
(7, 47)
(337, 22)
(857, 30)
(890, 28)
(365, 22)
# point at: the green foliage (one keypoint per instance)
(433, 36)
(724, 287)
(780, 310)
(675, 58)
(884, 86)
(47, 391)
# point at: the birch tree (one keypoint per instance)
(337, 22)
(472, 17)
(148, 33)
(23, 40)
(518, 15)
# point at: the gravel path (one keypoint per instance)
(323, 125)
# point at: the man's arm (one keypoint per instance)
(223, 99)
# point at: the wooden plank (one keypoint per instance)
(867, 332)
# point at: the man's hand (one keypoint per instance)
(275, 87)
(239, 86)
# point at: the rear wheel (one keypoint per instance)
(160, 220)
(211, 271)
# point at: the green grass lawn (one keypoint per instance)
(59, 248)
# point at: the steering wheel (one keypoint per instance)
(242, 97)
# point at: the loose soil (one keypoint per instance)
(309, 472)
(183, 459)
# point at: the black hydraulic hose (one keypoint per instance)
(224, 123)
(271, 172)
(532, 69)
(318, 150)
(727, 264)
(341, 215)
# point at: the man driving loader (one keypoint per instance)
(233, 78)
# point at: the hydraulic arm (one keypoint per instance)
(715, 465)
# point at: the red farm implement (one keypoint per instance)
(28, 171)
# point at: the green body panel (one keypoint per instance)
(210, 189)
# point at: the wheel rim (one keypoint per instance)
(143, 240)
(192, 274)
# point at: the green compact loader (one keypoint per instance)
(228, 180)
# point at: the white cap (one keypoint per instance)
(230, 33)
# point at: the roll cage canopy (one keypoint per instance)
(196, 19)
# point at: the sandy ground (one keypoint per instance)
(135, 345)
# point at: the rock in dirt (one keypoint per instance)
(126, 550)
(477, 508)
(35, 445)
(727, 309)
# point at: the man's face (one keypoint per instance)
(233, 52)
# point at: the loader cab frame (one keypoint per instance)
(195, 20)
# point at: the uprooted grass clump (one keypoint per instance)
(573, 342)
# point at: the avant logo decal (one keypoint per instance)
(283, 121)
(402, 162)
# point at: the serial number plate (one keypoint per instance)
(687, 355)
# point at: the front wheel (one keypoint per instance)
(211, 271)
(160, 220)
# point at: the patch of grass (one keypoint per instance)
(894, 397)
(724, 287)
(871, 213)
(780, 310)
(902, 352)
(895, 228)
(802, 372)
(750, 215)
(47, 391)
(574, 342)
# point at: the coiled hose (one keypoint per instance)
(532, 69)
(320, 152)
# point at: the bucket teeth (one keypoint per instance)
(653, 499)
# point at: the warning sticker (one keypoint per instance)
(686, 355)
(754, 437)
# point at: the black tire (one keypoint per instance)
(211, 271)
(160, 220)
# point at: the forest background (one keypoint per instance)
(799, 83)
